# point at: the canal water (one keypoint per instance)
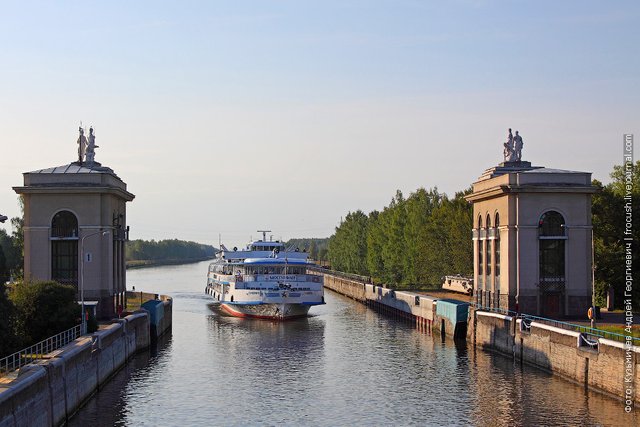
(345, 365)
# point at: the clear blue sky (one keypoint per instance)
(226, 117)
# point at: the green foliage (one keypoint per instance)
(413, 242)
(375, 241)
(11, 251)
(313, 250)
(165, 250)
(393, 247)
(8, 338)
(44, 309)
(609, 211)
(12, 247)
(4, 271)
(348, 246)
(317, 247)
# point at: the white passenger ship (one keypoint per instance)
(264, 280)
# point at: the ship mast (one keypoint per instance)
(264, 234)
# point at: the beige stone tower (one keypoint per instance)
(532, 239)
(75, 229)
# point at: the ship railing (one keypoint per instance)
(283, 278)
(38, 351)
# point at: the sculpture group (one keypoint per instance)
(513, 148)
(86, 148)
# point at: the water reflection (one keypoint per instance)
(110, 405)
(345, 365)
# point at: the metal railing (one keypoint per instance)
(38, 351)
(588, 330)
(350, 276)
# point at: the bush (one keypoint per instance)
(44, 309)
(8, 339)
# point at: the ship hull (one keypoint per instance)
(281, 311)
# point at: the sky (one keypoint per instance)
(225, 117)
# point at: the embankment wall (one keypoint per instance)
(412, 307)
(48, 392)
(160, 319)
(608, 366)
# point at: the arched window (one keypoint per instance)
(64, 224)
(551, 224)
(488, 250)
(480, 253)
(496, 251)
(64, 248)
(551, 232)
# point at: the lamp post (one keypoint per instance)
(84, 319)
(593, 280)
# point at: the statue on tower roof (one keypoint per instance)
(513, 148)
(91, 147)
(517, 146)
(82, 145)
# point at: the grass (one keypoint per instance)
(619, 329)
(615, 329)
(133, 304)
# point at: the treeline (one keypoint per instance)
(612, 210)
(412, 242)
(416, 241)
(167, 250)
(318, 248)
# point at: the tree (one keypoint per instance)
(44, 309)
(11, 248)
(348, 246)
(420, 207)
(412, 242)
(323, 254)
(313, 250)
(375, 240)
(393, 247)
(8, 338)
(611, 207)
(167, 250)
(4, 270)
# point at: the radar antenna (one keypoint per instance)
(264, 234)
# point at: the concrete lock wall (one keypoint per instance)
(559, 351)
(494, 332)
(556, 350)
(410, 306)
(167, 311)
(160, 312)
(49, 391)
(347, 287)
